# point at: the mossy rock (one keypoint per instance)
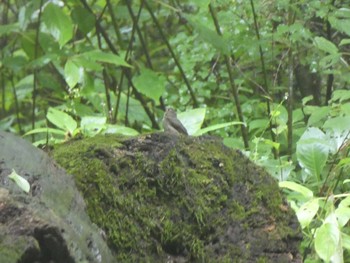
(162, 198)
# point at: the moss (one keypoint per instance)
(156, 196)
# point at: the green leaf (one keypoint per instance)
(326, 45)
(329, 60)
(339, 123)
(343, 25)
(327, 238)
(9, 28)
(20, 181)
(260, 124)
(341, 95)
(150, 83)
(202, 4)
(210, 36)
(297, 188)
(62, 120)
(235, 143)
(312, 152)
(343, 215)
(192, 119)
(217, 126)
(100, 56)
(58, 23)
(118, 129)
(345, 241)
(344, 42)
(45, 130)
(318, 114)
(83, 18)
(92, 125)
(307, 212)
(72, 73)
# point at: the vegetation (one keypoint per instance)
(269, 77)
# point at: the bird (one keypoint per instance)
(171, 123)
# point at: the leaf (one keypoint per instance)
(62, 120)
(202, 4)
(260, 124)
(235, 143)
(192, 119)
(45, 130)
(339, 124)
(20, 181)
(100, 56)
(325, 45)
(318, 114)
(83, 18)
(91, 125)
(342, 25)
(312, 152)
(217, 126)
(72, 73)
(345, 241)
(343, 215)
(327, 238)
(210, 36)
(150, 83)
(344, 42)
(307, 212)
(297, 188)
(9, 28)
(118, 129)
(341, 95)
(58, 23)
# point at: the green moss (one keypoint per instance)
(175, 200)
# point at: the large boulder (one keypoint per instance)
(165, 198)
(50, 223)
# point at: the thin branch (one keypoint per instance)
(262, 60)
(182, 72)
(35, 78)
(232, 83)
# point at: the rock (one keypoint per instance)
(163, 198)
(50, 223)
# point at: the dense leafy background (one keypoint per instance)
(270, 77)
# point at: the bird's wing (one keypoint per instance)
(178, 125)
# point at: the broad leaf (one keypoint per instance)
(150, 83)
(209, 35)
(92, 125)
(58, 23)
(312, 151)
(217, 126)
(72, 73)
(326, 45)
(45, 130)
(297, 188)
(10, 28)
(62, 120)
(100, 56)
(118, 129)
(83, 18)
(327, 238)
(307, 212)
(192, 119)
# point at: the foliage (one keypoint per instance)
(20, 181)
(269, 77)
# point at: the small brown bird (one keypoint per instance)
(171, 123)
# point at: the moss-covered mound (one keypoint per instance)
(181, 199)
